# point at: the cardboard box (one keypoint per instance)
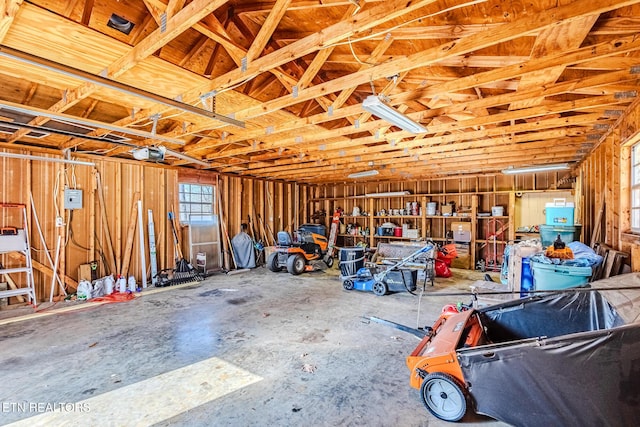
(411, 233)
(461, 262)
(462, 249)
(461, 236)
(461, 226)
(446, 210)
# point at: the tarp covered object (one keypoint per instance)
(570, 359)
(245, 256)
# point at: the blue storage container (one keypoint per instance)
(568, 234)
(559, 212)
(547, 277)
(526, 278)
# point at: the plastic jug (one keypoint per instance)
(84, 290)
(108, 285)
(122, 285)
(132, 284)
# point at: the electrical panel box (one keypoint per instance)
(72, 199)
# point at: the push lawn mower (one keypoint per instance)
(392, 279)
(298, 256)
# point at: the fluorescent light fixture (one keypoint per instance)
(540, 168)
(363, 174)
(46, 159)
(375, 106)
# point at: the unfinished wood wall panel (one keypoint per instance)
(83, 234)
(606, 179)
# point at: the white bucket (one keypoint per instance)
(497, 210)
(431, 208)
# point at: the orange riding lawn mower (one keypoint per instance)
(303, 252)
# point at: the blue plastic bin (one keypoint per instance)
(568, 234)
(526, 278)
(549, 277)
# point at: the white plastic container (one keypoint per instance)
(132, 284)
(84, 290)
(497, 211)
(431, 208)
(109, 284)
(122, 285)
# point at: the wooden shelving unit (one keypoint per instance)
(435, 227)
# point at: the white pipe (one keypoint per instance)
(55, 269)
(143, 263)
(44, 243)
(45, 159)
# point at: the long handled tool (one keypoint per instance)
(184, 271)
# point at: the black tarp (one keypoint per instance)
(591, 379)
(565, 359)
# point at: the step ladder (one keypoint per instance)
(17, 240)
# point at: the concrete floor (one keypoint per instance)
(229, 351)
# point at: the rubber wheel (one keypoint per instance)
(443, 396)
(380, 288)
(272, 262)
(348, 285)
(296, 264)
(329, 261)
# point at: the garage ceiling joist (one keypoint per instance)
(479, 75)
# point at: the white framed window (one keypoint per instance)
(196, 202)
(635, 188)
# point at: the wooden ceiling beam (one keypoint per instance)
(480, 121)
(262, 7)
(173, 7)
(186, 18)
(459, 47)
(86, 12)
(513, 134)
(267, 29)
(605, 27)
(70, 98)
(487, 102)
(8, 11)
(564, 37)
(360, 22)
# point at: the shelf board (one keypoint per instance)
(397, 216)
(490, 217)
(397, 238)
(420, 195)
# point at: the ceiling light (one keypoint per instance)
(540, 168)
(363, 174)
(375, 106)
(154, 154)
